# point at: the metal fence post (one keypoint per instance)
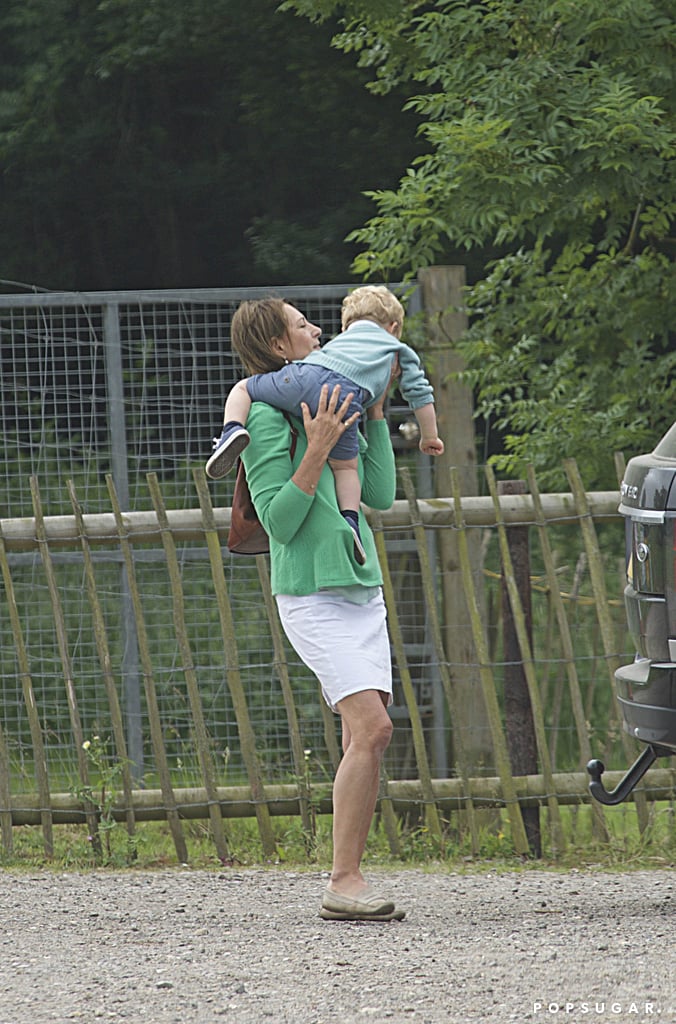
(117, 430)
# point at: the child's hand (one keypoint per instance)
(431, 446)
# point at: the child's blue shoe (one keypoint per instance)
(227, 448)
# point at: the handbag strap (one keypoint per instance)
(294, 434)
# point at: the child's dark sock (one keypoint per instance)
(352, 518)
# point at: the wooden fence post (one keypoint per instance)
(106, 664)
(490, 696)
(282, 669)
(431, 813)
(39, 756)
(91, 813)
(5, 797)
(435, 626)
(558, 841)
(599, 827)
(442, 298)
(244, 727)
(521, 741)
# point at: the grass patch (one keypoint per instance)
(151, 846)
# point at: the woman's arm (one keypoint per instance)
(379, 485)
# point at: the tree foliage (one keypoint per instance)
(158, 143)
(549, 139)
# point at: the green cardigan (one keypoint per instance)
(310, 542)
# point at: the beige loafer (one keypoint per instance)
(369, 906)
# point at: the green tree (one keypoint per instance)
(550, 139)
(159, 143)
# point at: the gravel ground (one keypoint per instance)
(247, 946)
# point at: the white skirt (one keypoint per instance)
(346, 645)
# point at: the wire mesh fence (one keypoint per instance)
(119, 386)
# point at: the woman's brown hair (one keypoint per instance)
(256, 325)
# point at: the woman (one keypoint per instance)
(331, 608)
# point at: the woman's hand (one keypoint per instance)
(329, 423)
(377, 410)
(322, 431)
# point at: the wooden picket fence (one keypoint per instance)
(433, 799)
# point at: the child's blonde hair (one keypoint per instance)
(372, 302)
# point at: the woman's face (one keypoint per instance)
(301, 336)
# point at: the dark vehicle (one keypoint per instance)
(646, 689)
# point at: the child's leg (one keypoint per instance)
(348, 488)
(237, 404)
(234, 437)
(348, 495)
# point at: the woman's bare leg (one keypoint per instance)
(367, 730)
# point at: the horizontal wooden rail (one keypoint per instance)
(283, 799)
(187, 524)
